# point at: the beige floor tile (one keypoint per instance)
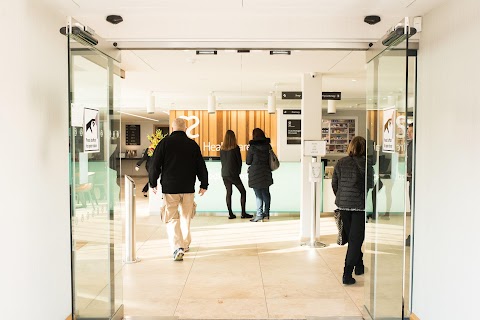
(222, 309)
(301, 308)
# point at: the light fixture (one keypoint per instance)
(272, 103)
(332, 106)
(212, 102)
(200, 52)
(134, 115)
(151, 104)
(287, 52)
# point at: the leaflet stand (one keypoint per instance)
(315, 149)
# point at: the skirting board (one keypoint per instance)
(414, 317)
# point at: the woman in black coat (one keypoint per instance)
(259, 172)
(231, 167)
(349, 186)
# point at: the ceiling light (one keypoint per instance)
(199, 52)
(332, 106)
(287, 52)
(354, 80)
(272, 103)
(151, 104)
(212, 101)
(134, 115)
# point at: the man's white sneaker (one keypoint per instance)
(178, 254)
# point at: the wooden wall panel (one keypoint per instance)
(212, 127)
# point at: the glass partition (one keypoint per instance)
(94, 183)
(390, 92)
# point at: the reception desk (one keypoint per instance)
(285, 193)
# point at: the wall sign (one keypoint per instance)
(294, 131)
(331, 96)
(291, 95)
(91, 136)
(388, 128)
(297, 95)
(190, 128)
(132, 134)
(315, 148)
(292, 111)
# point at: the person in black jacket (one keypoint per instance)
(259, 173)
(349, 186)
(145, 158)
(179, 161)
(231, 167)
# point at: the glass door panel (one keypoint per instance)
(387, 96)
(94, 170)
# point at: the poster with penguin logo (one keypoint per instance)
(91, 135)
(388, 129)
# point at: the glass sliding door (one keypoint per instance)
(391, 84)
(94, 184)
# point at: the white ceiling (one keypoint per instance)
(181, 79)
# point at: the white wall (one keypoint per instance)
(35, 236)
(447, 217)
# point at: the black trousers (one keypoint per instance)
(354, 226)
(145, 188)
(229, 181)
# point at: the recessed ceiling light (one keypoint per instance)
(287, 52)
(199, 52)
(354, 80)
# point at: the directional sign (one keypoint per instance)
(297, 95)
(291, 95)
(331, 96)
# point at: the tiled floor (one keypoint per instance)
(237, 269)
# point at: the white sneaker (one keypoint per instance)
(178, 254)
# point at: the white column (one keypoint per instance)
(311, 130)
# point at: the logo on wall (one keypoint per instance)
(91, 136)
(195, 124)
(389, 124)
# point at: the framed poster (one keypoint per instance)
(388, 129)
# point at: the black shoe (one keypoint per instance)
(246, 215)
(267, 216)
(407, 242)
(257, 218)
(348, 280)
(359, 270)
(231, 216)
(347, 275)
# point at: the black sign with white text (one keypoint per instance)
(296, 111)
(132, 134)
(331, 96)
(297, 95)
(294, 131)
(291, 95)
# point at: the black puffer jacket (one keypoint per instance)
(231, 162)
(259, 173)
(348, 183)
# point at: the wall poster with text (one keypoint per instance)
(388, 128)
(91, 136)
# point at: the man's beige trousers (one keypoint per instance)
(178, 223)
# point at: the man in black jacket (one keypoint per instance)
(179, 161)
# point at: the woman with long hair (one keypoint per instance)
(231, 160)
(349, 186)
(259, 172)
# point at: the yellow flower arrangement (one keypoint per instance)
(154, 141)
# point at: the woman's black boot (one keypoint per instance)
(360, 269)
(246, 215)
(347, 275)
(231, 216)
